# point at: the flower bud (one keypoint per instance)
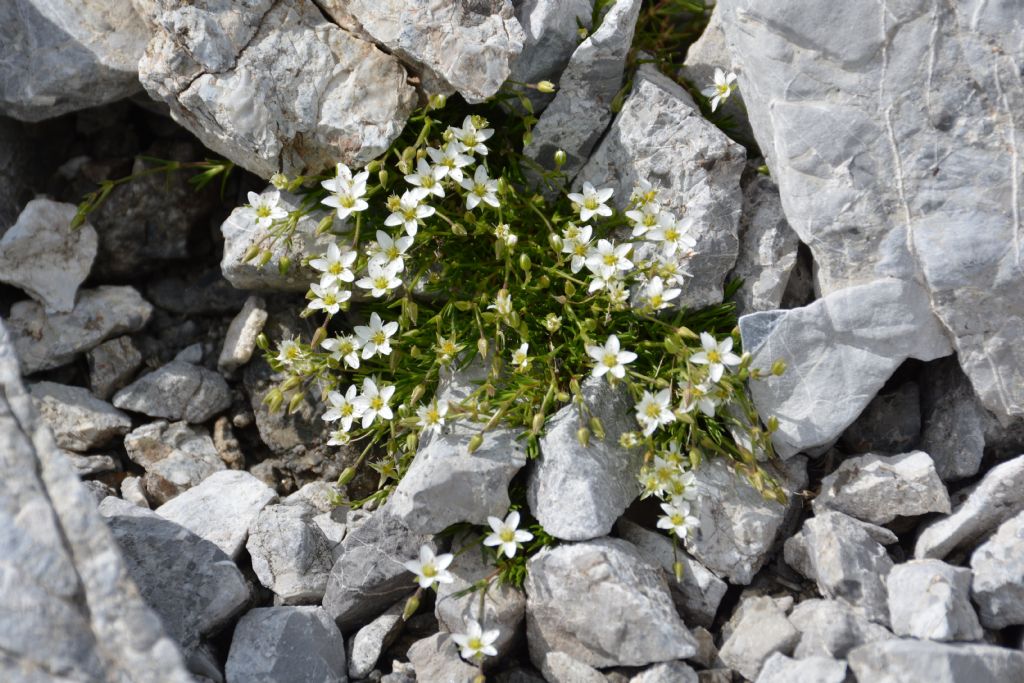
(778, 367)
(383, 177)
(459, 230)
(475, 443)
(411, 442)
(543, 282)
(251, 253)
(296, 402)
(411, 605)
(265, 257)
(570, 288)
(262, 342)
(347, 475)
(773, 424)
(273, 399)
(679, 570)
(291, 383)
(325, 224)
(480, 678)
(318, 336)
(574, 386)
(513, 319)
(524, 262)
(481, 347)
(546, 87)
(279, 180)
(560, 158)
(687, 333)
(555, 242)
(583, 436)
(438, 101)
(562, 397)
(597, 427)
(537, 423)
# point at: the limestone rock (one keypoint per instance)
(781, 669)
(112, 365)
(371, 640)
(891, 423)
(558, 667)
(762, 630)
(176, 391)
(240, 340)
(666, 672)
(660, 136)
(437, 659)
(273, 644)
(878, 489)
(912, 661)
(577, 492)
(176, 457)
(998, 583)
(46, 341)
(953, 421)
(43, 256)
(830, 629)
(551, 35)
(930, 599)
(133, 491)
(80, 421)
(91, 465)
(600, 602)
(273, 86)
(839, 351)
(290, 555)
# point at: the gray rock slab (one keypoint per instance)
(912, 661)
(112, 365)
(290, 554)
(952, 420)
(369, 642)
(666, 672)
(930, 600)
(781, 669)
(761, 631)
(436, 658)
(176, 391)
(240, 340)
(176, 457)
(558, 667)
(80, 421)
(997, 586)
(830, 629)
(273, 644)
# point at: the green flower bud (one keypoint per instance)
(778, 367)
(679, 570)
(279, 180)
(555, 242)
(383, 177)
(251, 253)
(438, 101)
(562, 397)
(265, 257)
(411, 605)
(537, 423)
(347, 475)
(524, 262)
(546, 87)
(560, 158)
(296, 402)
(325, 224)
(597, 427)
(583, 436)
(475, 443)
(481, 347)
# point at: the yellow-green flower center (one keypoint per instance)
(507, 535)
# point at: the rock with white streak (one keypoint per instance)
(80, 421)
(176, 391)
(176, 457)
(581, 110)
(997, 586)
(577, 492)
(274, 86)
(437, 659)
(551, 35)
(830, 628)
(781, 669)
(930, 599)
(660, 136)
(240, 340)
(273, 644)
(112, 365)
(996, 498)
(839, 351)
(913, 661)
(45, 341)
(600, 602)
(878, 489)
(59, 57)
(290, 554)
(221, 508)
(761, 631)
(43, 256)
(369, 642)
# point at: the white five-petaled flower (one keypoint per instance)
(502, 303)
(264, 209)
(653, 410)
(346, 191)
(591, 202)
(678, 519)
(471, 138)
(431, 568)
(520, 357)
(450, 159)
(375, 401)
(411, 210)
(505, 234)
(376, 337)
(606, 259)
(380, 279)
(328, 298)
(610, 358)
(481, 189)
(506, 535)
(720, 89)
(657, 296)
(644, 217)
(289, 351)
(673, 233)
(344, 407)
(344, 348)
(476, 643)
(716, 355)
(339, 437)
(428, 177)
(701, 396)
(431, 416)
(576, 243)
(390, 253)
(336, 265)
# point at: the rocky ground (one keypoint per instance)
(159, 523)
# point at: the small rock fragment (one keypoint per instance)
(177, 391)
(437, 659)
(290, 554)
(273, 644)
(762, 630)
(781, 669)
(913, 661)
(176, 457)
(558, 667)
(930, 599)
(371, 640)
(998, 584)
(80, 421)
(91, 465)
(240, 340)
(830, 628)
(112, 365)
(666, 672)
(134, 492)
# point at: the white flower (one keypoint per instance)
(375, 401)
(520, 359)
(339, 437)
(502, 303)
(431, 568)
(451, 160)
(720, 88)
(328, 298)
(618, 293)
(592, 201)
(610, 358)
(345, 408)
(701, 396)
(653, 411)
(657, 296)
(503, 233)
(678, 519)
(506, 535)
(335, 265)
(264, 210)
(685, 488)
(644, 217)
(673, 233)
(476, 643)
(390, 253)
(289, 351)
(481, 189)
(346, 191)
(410, 211)
(380, 279)
(431, 417)
(344, 348)
(716, 355)
(643, 194)
(607, 259)
(576, 242)
(375, 338)
(471, 138)
(428, 177)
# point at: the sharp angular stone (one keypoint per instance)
(577, 492)
(761, 630)
(463, 47)
(176, 457)
(600, 602)
(581, 110)
(133, 491)
(68, 602)
(878, 489)
(177, 391)
(274, 644)
(221, 508)
(41, 255)
(830, 629)
(930, 599)
(995, 499)
(559, 667)
(91, 465)
(437, 659)
(290, 554)
(700, 592)
(60, 57)
(738, 527)
(194, 587)
(660, 136)
(953, 421)
(880, 165)
(839, 351)
(998, 583)
(913, 661)
(369, 575)
(551, 35)
(666, 672)
(240, 340)
(112, 365)
(370, 641)
(80, 421)
(49, 341)
(891, 423)
(273, 86)
(781, 669)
